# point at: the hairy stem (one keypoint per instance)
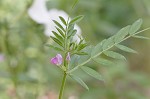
(65, 62)
(62, 86)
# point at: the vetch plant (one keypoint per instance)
(77, 54)
(84, 53)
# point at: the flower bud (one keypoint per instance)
(68, 57)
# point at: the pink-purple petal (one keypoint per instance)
(57, 60)
(54, 60)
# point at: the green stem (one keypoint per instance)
(65, 63)
(62, 85)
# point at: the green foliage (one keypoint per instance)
(141, 37)
(54, 48)
(107, 44)
(76, 19)
(97, 48)
(60, 31)
(27, 69)
(115, 55)
(76, 78)
(135, 26)
(104, 62)
(57, 40)
(63, 20)
(92, 72)
(121, 34)
(59, 25)
(126, 49)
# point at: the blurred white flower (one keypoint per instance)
(39, 13)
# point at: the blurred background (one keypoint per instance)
(25, 69)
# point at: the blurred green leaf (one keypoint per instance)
(81, 46)
(98, 48)
(59, 25)
(125, 48)
(63, 20)
(58, 36)
(62, 34)
(72, 33)
(75, 3)
(121, 34)
(141, 37)
(53, 47)
(81, 53)
(135, 26)
(113, 54)
(108, 43)
(84, 58)
(57, 41)
(92, 72)
(104, 62)
(76, 19)
(79, 80)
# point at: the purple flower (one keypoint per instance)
(68, 57)
(57, 60)
(1, 57)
